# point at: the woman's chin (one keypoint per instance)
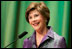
(36, 29)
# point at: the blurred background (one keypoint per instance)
(13, 21)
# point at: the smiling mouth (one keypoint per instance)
(36, 24)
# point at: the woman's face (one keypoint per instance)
(36, 20)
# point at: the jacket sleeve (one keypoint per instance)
(62, 43)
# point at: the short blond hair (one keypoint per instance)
(41, 8)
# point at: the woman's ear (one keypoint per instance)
(45, 20)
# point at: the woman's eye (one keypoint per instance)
(36, 15)
(30, 17)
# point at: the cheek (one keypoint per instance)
(43, 21)
(39, 18)
(30, 22)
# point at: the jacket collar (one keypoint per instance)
(49, 35)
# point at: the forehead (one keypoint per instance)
(33, 12)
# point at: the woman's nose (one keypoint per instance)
(34, 19)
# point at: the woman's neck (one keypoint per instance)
(42, 32)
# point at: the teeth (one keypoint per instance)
(36, 23)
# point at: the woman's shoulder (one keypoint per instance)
(30, 38)
(27, 43)
(59, 40)
(58, 37)
(27, 39)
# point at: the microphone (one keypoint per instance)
(19, 37)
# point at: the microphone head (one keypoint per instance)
(23, 34)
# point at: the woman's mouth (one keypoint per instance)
(36, 24)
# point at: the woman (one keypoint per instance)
(38, 16)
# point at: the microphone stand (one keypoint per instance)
(19, 37)
(11, 43)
